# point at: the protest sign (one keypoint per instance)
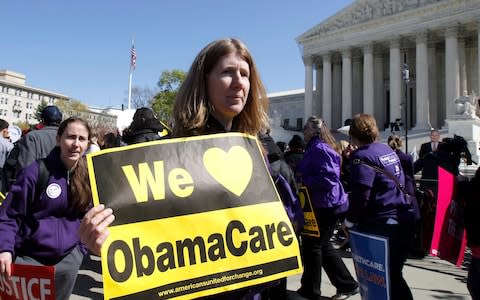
(193, 217)
(448, 240)
(370, 258)
(310, 227)
(28, 282)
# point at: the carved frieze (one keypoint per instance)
(363, 11)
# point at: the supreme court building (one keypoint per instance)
(354, 61)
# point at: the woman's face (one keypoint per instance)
(73, 143)
(308, 132)
(228, 85)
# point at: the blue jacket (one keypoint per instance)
(320, 169)
(40, 224)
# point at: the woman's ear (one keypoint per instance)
(58, 140)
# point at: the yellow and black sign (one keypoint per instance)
(193, 217)
(311, 225)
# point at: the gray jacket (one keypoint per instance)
(36, 144)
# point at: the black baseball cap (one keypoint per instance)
(51, 115)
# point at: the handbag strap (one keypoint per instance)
(382, 171)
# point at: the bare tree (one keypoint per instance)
(141, 97)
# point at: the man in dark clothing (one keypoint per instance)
(295, 154)
(145, 127)
(431, 146)
(444, 157)
(36, 144)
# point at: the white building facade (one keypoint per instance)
(18, 101)
(355, 61)
(286, 109)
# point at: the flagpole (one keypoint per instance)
(133, 58)
(129, 88)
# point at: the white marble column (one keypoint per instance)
(395, 81)
(433, 90)
(308, 62)
(346, 84)
(379, 94)
(462, 66)
(423, 96)
(317, 106)
(327, 89)
(368, 81)
(452, 77)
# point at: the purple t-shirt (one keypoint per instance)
(385, 196)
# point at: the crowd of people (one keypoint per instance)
(360, 183)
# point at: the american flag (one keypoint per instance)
(133, 58)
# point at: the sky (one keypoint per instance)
(81, 49)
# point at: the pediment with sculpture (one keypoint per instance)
(363, 11)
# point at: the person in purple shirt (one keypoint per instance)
(377, 204)
(320, 173)
(39, 227)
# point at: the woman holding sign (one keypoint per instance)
(378, 204)
(320, 173)
(41, 215)
(221, 93)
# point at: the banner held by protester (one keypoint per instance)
(193, 217)
(370, 258)
(310, 227)
(28, 282)
(448, 240)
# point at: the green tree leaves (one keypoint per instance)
(162, 102)
(38, 111)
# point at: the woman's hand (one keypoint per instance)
(348, 151)
(6, 264)
(93, 230)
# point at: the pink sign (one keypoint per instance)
(448, 240)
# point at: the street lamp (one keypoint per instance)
(405, 76)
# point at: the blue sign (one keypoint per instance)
(370, 257)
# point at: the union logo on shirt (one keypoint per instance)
(54, 190)
(389, 159)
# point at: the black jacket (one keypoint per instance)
(150, 132)
(248, 293)
(469, 195)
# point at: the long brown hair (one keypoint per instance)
(80, 191)
(191, 109)
(323, 132)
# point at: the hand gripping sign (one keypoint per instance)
(193, 217)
